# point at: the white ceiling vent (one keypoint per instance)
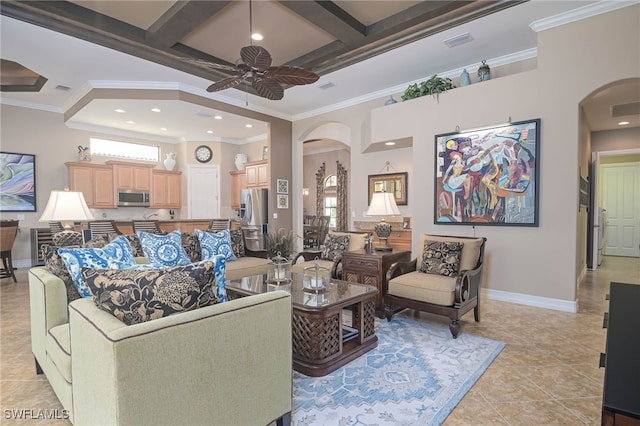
(621, 110)
(63, 88)
(327, 85)
(458, 40)
(204, 114)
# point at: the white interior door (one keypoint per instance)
(621, 199)
(204, 192)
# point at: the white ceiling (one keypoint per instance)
(81, 66)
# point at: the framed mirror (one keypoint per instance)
(396, 183)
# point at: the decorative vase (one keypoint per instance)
(390, 101)
(465, 80)
(170, 162)
(484, 72)
(240, 159)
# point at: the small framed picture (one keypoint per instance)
(283, 201)
(283, 186)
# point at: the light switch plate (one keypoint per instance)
(20, 217)
(275, 215)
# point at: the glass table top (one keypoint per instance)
(337, 292)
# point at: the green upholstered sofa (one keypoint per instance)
(225, 364)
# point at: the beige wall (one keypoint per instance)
(616, 140)
(539, 262)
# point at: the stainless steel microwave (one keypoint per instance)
(133, 198)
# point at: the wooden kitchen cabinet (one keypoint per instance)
(166, 189)
(363, 267)
(95, 181)
(131, 176)
(398, 240)
(238, 183)
(257, 174)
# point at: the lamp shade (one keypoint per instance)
(383, 204)
(66, 206)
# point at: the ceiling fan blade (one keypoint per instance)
(208, 64)
(225, 83)
(268, 88)
(291, 75)
(256, 57)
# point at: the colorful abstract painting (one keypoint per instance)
(488, 176)
(17, 182)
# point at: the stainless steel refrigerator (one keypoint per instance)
(254, 213)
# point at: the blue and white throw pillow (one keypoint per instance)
(115, 255)
(220, 271)
(164, 251)
(213, 244)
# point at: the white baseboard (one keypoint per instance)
(537, 301)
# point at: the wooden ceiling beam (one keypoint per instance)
(180, 20)
(329, 17)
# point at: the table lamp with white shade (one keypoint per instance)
(383, 204)
(66, 207)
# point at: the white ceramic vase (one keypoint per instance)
(240, 159)
(170, 162)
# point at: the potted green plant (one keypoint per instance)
(433, 86)
(282, 241)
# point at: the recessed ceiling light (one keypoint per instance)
(164, 129)
(131, 122)
(155, 109)
(256, 36)
(623, 123)
(120, 110)
(217, 117)
(248, 126)
(210, 131)
(390, 143)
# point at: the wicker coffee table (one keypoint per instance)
(323, 339)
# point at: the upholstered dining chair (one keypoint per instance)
(8, 233)
(103, 227)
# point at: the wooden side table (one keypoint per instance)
(371, 269)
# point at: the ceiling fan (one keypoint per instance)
(254, 67)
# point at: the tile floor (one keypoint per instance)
(547, 374)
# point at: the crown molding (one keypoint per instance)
(583, 12)
(30, 105)
(118, 132)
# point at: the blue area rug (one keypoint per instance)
(416, 376)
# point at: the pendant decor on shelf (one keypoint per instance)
(170, 161)
(484, 72)
(465, 80)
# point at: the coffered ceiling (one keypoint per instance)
(361, 49)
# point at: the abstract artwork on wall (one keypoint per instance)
(17, 182)
(488, 176)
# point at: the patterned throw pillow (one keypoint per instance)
(237, 242)
(164, 251)
(66, 238)
(191, 245)
(334, 246)
(136, 296)
(442, 258)
(54, 264)
(97, 241)
(213, 244)
(136, 246)
(116, 254)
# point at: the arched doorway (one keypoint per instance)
(604, 140)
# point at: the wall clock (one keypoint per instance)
(203, 154)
